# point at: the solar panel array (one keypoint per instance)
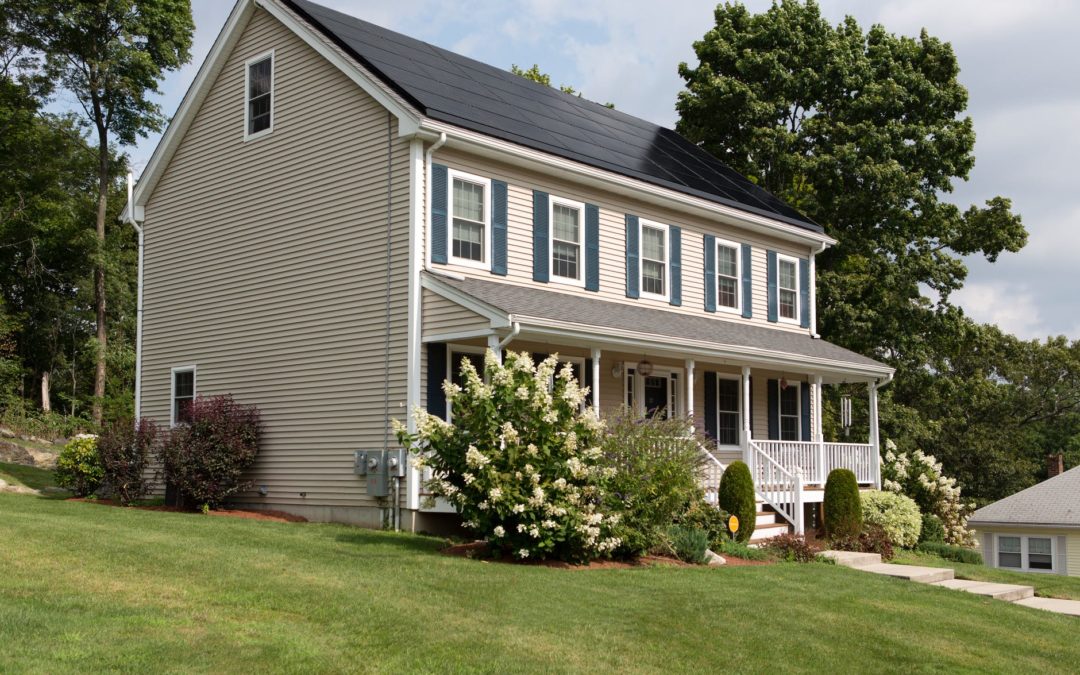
(458, 90)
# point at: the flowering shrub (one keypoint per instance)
(897, 514)
(78, 468)
(124, 449)
(920, 477)
(205, 459)
(522, 462)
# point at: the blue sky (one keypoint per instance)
(1018, 60)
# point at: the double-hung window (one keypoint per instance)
(787, 288)
(727, 404)
(789, 412)
(259, 86)
(183, 394)
(566, 238)
(727, 275)
(654, 260)
(470, 207)
(1030, 554)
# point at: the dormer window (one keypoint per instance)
(259, 80)
(654, 260)
(470, 208)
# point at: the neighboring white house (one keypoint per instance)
(1035, 530)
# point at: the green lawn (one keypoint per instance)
(29, 476)
(1046, 585)
(88, 588)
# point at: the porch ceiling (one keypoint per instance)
(594, 322)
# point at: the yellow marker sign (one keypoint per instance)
(733, 524)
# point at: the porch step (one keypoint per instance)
(766, 518)
(763, 532)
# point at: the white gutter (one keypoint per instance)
(509, 338)
(129, 217)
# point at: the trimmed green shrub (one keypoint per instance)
(872, 539)
(689, 543)
(951, 552)
(124, 449)
(932, 529)
(736, 496)
(78, 468)
(791, 548)
(708, 517)
(898, 515)
(737, 549)
(843, 510)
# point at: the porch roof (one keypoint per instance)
(575, 314)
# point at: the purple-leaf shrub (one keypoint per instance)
(123, 448)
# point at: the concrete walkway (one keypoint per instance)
(945, 578)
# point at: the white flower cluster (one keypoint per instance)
(919, 472)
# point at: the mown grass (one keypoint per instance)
(90, 588)
(1046, 585)
(29, 476)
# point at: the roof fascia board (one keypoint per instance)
(513, 153)
(1034, 526)
(408, 118)
(497, 317)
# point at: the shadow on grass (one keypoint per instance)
(404, 541)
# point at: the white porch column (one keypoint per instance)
(747, 434)
(493, 345)
(596, 381)
(690, 391)
(819, 434)
(874, 438)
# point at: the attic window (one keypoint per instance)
(259, 81)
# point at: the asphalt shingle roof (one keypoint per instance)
(1055, 501)
(458, 90)
(586, 311)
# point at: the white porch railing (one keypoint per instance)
(712, 471)
(815, 460)
(776, 485)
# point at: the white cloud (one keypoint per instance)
(1011, 307)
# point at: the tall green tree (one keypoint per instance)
(111, 55)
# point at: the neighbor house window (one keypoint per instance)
(1031, 554)
(260, 95)
(183, 394)
(566, 240)
(727, 275)
(727, 403)
(788, 288)
(654, 261)
(789, 412)
(469, 206)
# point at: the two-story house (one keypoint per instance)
(339, 213)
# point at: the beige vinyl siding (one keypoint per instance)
(613, 210)
(1072, 543)
(443, 316)
(266, 268)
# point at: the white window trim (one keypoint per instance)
(1024, 553)
(580, 207)
(485, 263)
(780, 406)
(666, 371)
(461, 349)
(798, 290)
(642, 224)
(247, 90)
(738, 405)
(737, 309)
(172, 389)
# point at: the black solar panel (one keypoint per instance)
(458, 90)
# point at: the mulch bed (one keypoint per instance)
(479, 550)
(270, 516)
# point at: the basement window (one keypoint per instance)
(259, 87)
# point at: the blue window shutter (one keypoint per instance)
(747, 282)
(773, 300)
(804, 292)
(710, 404)
(439, 193)
(710, 273)
(805, 393)
(774, 410)
(541, 263)
(436, 375)
(675, 234)
(592, 247)
(498, 227)
(586, 381)
(632, 275)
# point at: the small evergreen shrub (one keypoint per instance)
(78, 468)
(689, 543)
(791, 548)
(124, 449)
(843, 510)
(205, 459)
(736, 549)
(951, 552)
(898, 515)
(932, 529)
(872, 539)
(736, 496)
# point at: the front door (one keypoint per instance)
(656, 396)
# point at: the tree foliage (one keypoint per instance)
(534, 74)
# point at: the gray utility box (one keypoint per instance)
(376, 465)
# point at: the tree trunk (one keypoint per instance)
(46, 399)
(99, 274)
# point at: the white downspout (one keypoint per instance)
(139, 299)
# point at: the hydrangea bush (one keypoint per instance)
(522, 461)
(898, 515)
(920, 477)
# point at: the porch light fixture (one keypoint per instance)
(783, 383)
(644, 367)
